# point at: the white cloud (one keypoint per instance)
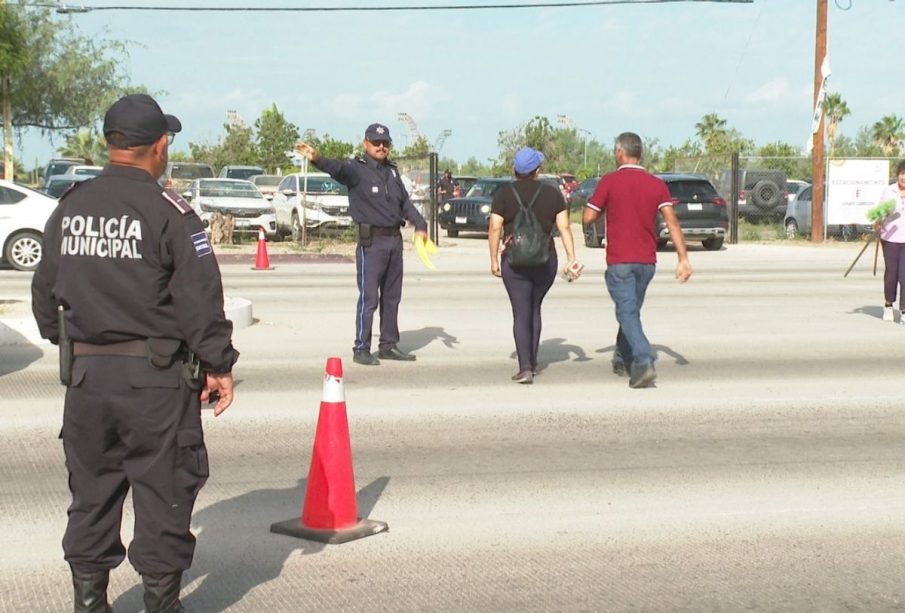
(419, 99)
(776, 90)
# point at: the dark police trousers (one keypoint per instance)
(379, 272)
(127, 424)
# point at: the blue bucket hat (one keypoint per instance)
(527, 160)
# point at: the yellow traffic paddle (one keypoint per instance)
(423, 247)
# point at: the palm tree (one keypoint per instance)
(835, 109)
(86, 144)
(709, 129)
(889, 133)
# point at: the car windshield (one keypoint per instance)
(191, 171)
(229, 189)
(794, 188)
(485, 189)
(58, 168)
(692, 190)
(242, 173)
(323, 185)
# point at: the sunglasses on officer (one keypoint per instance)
(170, 137)
(380, 143)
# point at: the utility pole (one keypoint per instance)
(818, 164)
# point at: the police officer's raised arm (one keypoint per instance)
(338, 169)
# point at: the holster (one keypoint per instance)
(164, 352)
(65, 345)
(365, 236)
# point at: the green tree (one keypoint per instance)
(332, 148)
(235, 148)
(785, 157)
(13, 61)
(85, 144)
(835, 109)
(476, 168)
(711, 129)
(275, 136)
(418, 149)
(67, 80)
(889, 133)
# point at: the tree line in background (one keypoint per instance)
(57, 81)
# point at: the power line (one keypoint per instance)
(72, 8)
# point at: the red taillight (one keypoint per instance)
(742, 196)
(719, 201)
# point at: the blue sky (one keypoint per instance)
(655, 69)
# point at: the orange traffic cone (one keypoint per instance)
(330, 512)
(262, 262)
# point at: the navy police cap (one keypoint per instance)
(139, 118)
(377, 131)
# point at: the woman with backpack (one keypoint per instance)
(525, 213)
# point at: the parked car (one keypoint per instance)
(761, 193)
(58, 166)
(700, 209)
(797, 220)
(23, 215)
(267, 184)
(581, 193)
(235, 197)
(83, 169)
(559, 183)
(240, 172)
(316, 199)
(795, 187)
(58, 184)
(471, 212)
(179, 175)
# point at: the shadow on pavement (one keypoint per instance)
(412, 340)
(17, 352)
(555, 350)
(677, 357)
(871, 311)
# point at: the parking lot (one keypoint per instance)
(763, 472)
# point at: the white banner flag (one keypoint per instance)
(818, 105)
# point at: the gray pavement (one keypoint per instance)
(763, 473)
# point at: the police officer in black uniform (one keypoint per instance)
(130, 291)
(379, 204)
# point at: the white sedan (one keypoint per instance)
(235, 197)
(23, 215)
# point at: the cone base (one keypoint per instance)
(263, 268)
(294, 527)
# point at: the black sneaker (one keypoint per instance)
(392, 353)
(643, 375)
(365, 357)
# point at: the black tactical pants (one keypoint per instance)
(379, 269)
(127, 424)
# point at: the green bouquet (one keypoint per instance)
(881, 211)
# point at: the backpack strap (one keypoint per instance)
(519, 198)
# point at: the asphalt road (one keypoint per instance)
(763, 473)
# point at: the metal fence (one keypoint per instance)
(769, 198)
(420, 175)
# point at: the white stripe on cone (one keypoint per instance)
(333, 389)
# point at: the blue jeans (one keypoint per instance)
(627, 284)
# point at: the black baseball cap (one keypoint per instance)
(378, 131)
(139, 118)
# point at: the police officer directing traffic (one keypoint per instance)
(130, 291)
(379, 204)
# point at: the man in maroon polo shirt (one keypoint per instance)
(630, 198)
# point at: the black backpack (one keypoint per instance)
(528, 244)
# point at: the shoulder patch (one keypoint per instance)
(177, 201)
(362, 160)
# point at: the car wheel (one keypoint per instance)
(295, 228)
(23, 251)
(452, 233)
(766, 195)
(713, 244)
(791, 229)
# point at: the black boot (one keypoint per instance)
(91, 591)
(162, 593)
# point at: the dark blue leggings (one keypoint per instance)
(894, 277)
(527, 287)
